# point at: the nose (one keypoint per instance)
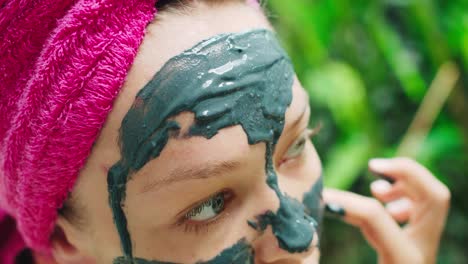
(286, 234)
(267, 250)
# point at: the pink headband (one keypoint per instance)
(62, 64)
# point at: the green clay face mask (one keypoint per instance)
(230, 79)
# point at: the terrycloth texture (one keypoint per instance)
(62, 63)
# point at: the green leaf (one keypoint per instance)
(339, 87)
(400, 59)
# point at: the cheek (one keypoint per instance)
(98, 239)
(312, 163)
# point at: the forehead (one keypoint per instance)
(171, 35)
(167, 38)
(174, 33)
(194, 152)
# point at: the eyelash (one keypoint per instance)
(309, 133)
(202, 226)
(198, 226)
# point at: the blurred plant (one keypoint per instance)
(367, 66)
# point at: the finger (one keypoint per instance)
(421, 183)
(387, 192)
(376, 224)
(430, 198)
(397, 205)
(400, 209)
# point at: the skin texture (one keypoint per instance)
(155, 234)
(241, 253)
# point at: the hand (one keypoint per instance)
(416, 197)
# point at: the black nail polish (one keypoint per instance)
(335, 209)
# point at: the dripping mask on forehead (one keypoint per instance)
(230, 79)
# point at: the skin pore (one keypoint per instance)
(251, 196)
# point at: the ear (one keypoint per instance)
(66, 244)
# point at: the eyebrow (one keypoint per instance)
(210, 169)
(204, 171)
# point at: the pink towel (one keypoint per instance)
(62, 63)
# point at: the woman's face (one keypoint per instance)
(182, 171)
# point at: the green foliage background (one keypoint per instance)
(367, 64)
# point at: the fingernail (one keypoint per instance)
(398, 206)
(378, 165)
(380, 186)
(335, 209)
(386, 178)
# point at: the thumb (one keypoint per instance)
(377, 226)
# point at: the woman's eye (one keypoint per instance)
(296, 149)
(208, 209)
